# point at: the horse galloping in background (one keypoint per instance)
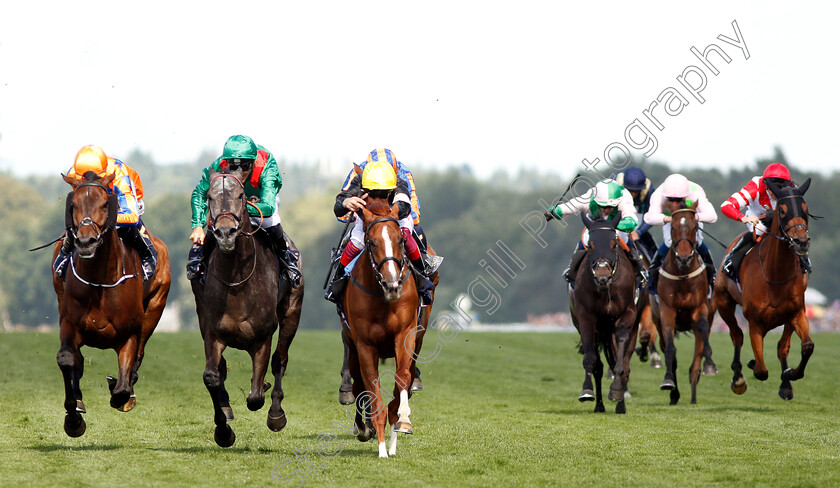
(772, 291)
(103, 301)
(683, 303)
(606, 307)
(241, 304)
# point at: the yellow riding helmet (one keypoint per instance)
(90, 158)
(379, 175)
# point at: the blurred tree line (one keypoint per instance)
(464, 218)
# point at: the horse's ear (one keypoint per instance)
(614, 223)
(587, 220)
(107, 180)
(694, 205)
(804, 187)
(74, 182)
(211, 174)
(113, 209)
(395, 210)
(772, 187)
(357, 169)
(68, 211)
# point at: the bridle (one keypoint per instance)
(226, 212)
(784, 237)
(603, 261)
(377, 267)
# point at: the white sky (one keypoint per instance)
(535, 84)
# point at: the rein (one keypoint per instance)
(378, 267)
(784, 237)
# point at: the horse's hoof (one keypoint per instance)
(365, 435)
(74, 430)
(616, 395)
(224, 436)
(129, 405)
(80, 407)
(610, 374)
(119, 400)
(655, 362)
(266, 386)
(709, 369)
(739, 386)
(346, 397)
(586, 396)
(620, 408)
(788, 375)
(417, 384)
(643, 355)
(228, 413)
(599, 408)
(276, 424)
(627, 395)
(786, 393)
(403, 428)
(255, 404)
(112, 382)
(667, 385)
(751, 364)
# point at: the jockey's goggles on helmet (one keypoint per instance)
(676, 199)
(243, 164)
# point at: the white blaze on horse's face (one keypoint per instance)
(390, 271)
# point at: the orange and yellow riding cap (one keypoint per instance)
(90, 158)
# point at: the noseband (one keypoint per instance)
(378, 266)
(226, 212)
(89, 221)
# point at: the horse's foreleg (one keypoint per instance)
(279, 361)
(70, 363)
(757, 340)
(368, 364)
(782, 350)
(725, 306)
(259, 361)
(345, 391)
(669, 347)
(214, 381)
(598, 372)
(362, 399)
(399, 409)
(625, 332)
(802, 328)
(122, 396)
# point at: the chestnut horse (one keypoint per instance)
(104, 303)
(606, 307)
(241, 303)
(772, 291)
(381, 305)
(683, 303)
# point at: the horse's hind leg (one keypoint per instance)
(368, 365)
(214, 381)
(725, 306)
(802, 328)
(259, 360)
(71, 363)
(345, 391)
(121, 391)
(399, 409)
(598, 372)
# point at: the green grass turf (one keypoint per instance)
(499, 409)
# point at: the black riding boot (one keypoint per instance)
(424, 284)
(732, 261)
(137, 237)
(337, 285)
(653, 272)
(64, 253)
(574, 264)
(195, 262)
(638, 265)
(278, 237)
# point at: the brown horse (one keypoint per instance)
(381, 305)
(104, 303)
(772, 291)
(606, 307)
(345, 391)
(241, 303)
(683, 303)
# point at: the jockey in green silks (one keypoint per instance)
(262, 182)
(607, 200)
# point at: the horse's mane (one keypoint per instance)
(378, 206)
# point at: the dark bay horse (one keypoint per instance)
(104, 303)
(683, 303)
(772, 291)
(381, 305)
(606, 307)
(241, 304)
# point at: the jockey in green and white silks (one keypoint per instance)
(610, 201)
(261, 181)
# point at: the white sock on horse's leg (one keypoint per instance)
(404, 410)
(392, 450)
(383, 453)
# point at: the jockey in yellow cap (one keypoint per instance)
(379, 174)
(129, 191)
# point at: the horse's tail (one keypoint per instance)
(579, 347)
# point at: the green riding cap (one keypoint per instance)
(240, 147)
(606, 193)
